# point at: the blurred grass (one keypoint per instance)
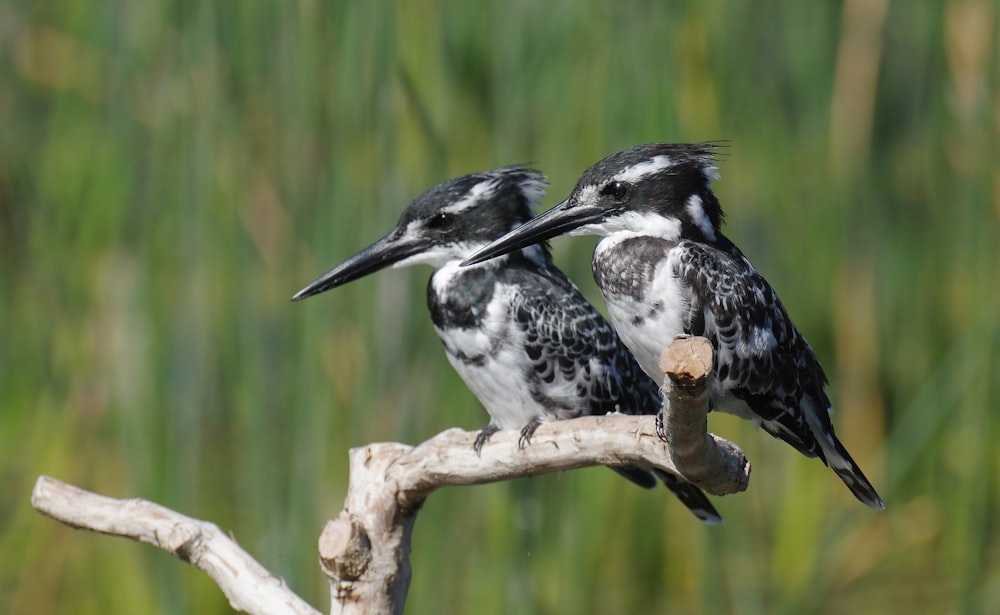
(170, 173)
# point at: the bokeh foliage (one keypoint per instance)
(171, 172)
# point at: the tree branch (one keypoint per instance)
(248, 585)
(365, 550)
(714, 464)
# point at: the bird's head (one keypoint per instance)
(659, 189)
(446, 223)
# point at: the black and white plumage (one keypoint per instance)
(517, 331)
(665, 268)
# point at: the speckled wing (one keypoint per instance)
(761, 358)
(581, 367)
(579, 364)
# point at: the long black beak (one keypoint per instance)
(559, 220)
(383, 253)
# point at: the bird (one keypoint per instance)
(518, 332)
(665, 269)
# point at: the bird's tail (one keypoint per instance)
(840, 461)
(835, 455)
(637, 475)
(689, 495)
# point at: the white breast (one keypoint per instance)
(648, 325)
(497, 378)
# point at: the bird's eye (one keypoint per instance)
(616, 190)
(440, 221)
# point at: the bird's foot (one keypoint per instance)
(484, 437)
(661, 429)
(527, 431)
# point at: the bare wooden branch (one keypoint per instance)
(714, 464)
(365, 550)
(248, 585)
(389, 482)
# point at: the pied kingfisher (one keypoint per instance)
(516, 330)
(665, 268)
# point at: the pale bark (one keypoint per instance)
(248, 585)
(365, 550)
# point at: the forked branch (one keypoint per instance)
(365, 550)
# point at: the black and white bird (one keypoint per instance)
(665, 268)
(517, 331)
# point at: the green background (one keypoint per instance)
(172, 172)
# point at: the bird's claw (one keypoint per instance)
(484, 437)
(526, 432)
(661, 429)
